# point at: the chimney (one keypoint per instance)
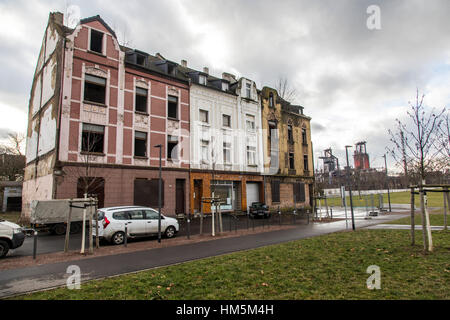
(228, 76)
(206, 70)
(184, 63)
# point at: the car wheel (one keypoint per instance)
(59, 229)
(170, 232)
(4, 248)
(75, 228)
(118, 238)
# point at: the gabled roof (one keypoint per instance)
(99, 19)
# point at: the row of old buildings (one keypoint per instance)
(102, 116)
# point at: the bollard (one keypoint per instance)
(230, 217)
(235, 224)
(279, 216)
(188, 225)
(125, 240)
(35, 234)
(307, 217)
(294, 217)
(331, 210)
(253, 223)
(248, 217)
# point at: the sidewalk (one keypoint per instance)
(403, 227)
(22, 280)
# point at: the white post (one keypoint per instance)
(83, 231)
(427, 221)
(212, 214)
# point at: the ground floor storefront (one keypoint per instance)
(236, 191)
(288, 192)
(120, 186)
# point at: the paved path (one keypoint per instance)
(17, 281)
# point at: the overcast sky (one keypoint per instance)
(352, 81)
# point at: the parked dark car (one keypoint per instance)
(258, 209)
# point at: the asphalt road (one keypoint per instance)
(22, 280)
(48, 243)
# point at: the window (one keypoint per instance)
(251, 155)
(121, 215)
(146, 192)
(271, 104)
(172, 107)
(136, 214)
(202, 80)
(226, 120)
(250, 123)
(140, 144)
(226, 153)
(151, 215)
(299, 192)
(205, 151)
(171, 69)
(94, 89)
(141, 100)
(204, 116)
(225, 86)
(96, 41)
(140, 59)
(304, 139)
(275, 186)
(305, 163)
(291, 160)
(248, 90)
(172, 150)
(290, 135)
(92, 138)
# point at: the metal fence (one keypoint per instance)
(233, 222)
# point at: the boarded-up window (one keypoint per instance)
(146, 192)
(95, 187)
(275, 190)
(299, 192)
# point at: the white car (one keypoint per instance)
(11, 237)
(140, 222)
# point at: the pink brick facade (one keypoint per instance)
(118, 165)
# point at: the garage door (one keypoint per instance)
(252, 193)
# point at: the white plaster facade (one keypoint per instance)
(213, 134)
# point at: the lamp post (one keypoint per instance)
(159, 194)
(387, 182)
(350, 188)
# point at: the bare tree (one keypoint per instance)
(285, 90)
(414, 146)
(12, 161)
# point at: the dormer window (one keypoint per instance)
(171, 69)
(202, 80)
(96, 44)
(271, 104)
(225, 86)
(140, 59)
(248, 90)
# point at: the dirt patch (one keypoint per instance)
(20, 262)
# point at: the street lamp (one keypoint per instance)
(159, 194)
(387, 183)
(350, 188)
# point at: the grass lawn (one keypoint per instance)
(436, 219)
(435, 199)
(12, 216)
(325, 267)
